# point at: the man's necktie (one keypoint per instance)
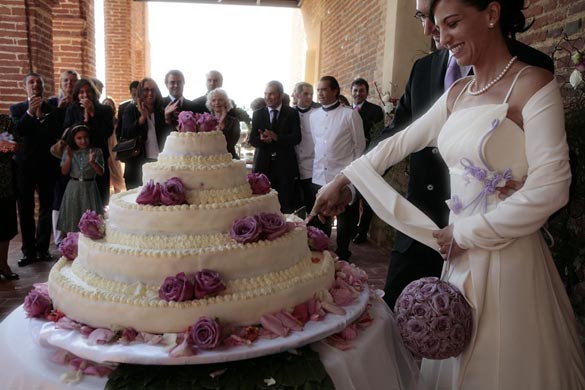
(453, 72)
(274, 118)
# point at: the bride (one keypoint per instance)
(504, 123)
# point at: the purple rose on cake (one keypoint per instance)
(318, 240)
(92, 225)
(205, 333)
(186, 122)
(272, 225)
(37, 303)
(206, 122)
(245, 230)
(173, 192)
(150, 194)
(176, 288)
(259, 183)
(207, 283)
(68, 246)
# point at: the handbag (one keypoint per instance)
(58, 148)
(128, 149)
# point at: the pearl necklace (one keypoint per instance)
(491, 83)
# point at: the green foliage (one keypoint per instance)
(300, 371)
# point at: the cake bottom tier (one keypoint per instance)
(121, 306)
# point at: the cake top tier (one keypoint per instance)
(195, 144)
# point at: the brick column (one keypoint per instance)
(126, 45)
(25, 45)
(74, 38)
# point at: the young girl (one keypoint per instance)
(82, 163)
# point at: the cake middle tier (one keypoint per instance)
(126, 215)
(150, 259)
(91, 300)
(197, 173)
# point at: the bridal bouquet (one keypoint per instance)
(433, 318)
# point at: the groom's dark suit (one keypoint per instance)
(278, 159)
(428, 185)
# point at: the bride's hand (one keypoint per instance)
(332, 198)
(445, 240)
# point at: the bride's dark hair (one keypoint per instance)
(512, 19)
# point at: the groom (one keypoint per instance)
(428, 185)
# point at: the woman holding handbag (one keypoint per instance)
(143, 131)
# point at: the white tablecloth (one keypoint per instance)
(377, 361)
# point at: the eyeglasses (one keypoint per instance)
(421, 17)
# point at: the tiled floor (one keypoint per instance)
(373, 259)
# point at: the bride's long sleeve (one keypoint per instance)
(420, 134)
(547, 185)
(366, 172)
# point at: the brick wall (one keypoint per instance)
(126, 45)
(25, 45)
(553, 18)
(351, 42)
(74, 38)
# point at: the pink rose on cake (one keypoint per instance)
(207, 283)
(273, 225)
(259, 183)
(173, 192)
(68, 246)
(176, 288)
(170, 193)
(195, 123)
(318, 240)
(205, 333)
(92, 225)
(186, 122)
(150, 194)
(206, 122)
(38, 303)
(245, 230)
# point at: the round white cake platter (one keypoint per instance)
(139, 353)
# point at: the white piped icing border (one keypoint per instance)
(160, 242)
(95, 288)
(248, 287)
(195, 162)
(125, 204)
(219, 195)
(156, 166)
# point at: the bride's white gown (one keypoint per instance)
(524, 330)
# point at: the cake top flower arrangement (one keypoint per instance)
(196, 123)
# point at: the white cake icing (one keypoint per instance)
(114, 281)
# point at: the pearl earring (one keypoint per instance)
(491, 25)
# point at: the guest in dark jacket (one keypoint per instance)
(87, 110)
(275, 132)
(67, 82)
(36, 128)
(144, 120)
(8, 229)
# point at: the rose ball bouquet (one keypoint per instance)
(433, 318)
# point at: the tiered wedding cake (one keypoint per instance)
(114, 282)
